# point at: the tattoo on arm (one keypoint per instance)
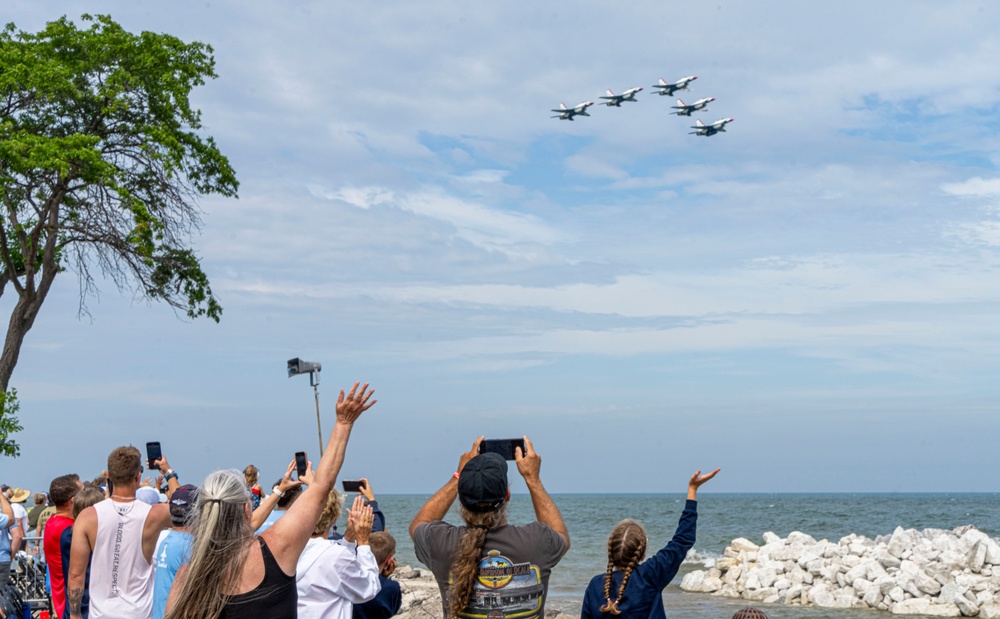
(75, 600)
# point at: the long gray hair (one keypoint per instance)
(222, 539)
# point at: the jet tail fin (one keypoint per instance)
(663, 82)
(700, 124)
(610, 94)
(680, 102)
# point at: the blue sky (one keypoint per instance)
(808, 301)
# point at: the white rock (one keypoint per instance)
(927, 584)
(793, 593)
(693, 581)
(807, 557)
(977, 556)
(965, 606)
(821, 596)
(741, 544)
(872, 597)
(914, 606)
(797, 537)
(896, 594)
(990, 611)
(992, 551)
(732, 575)
(771, 538)
(943, 610)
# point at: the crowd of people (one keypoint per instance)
(120, 547)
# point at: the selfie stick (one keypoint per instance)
(297, 366)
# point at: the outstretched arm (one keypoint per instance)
(5, 507)
(438, 505)
(288, 536)
(267, 506)
(696, 482)
(662, 567)
(529, 464)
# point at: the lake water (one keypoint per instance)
(721, 518)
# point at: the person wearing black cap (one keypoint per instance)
(489, 567)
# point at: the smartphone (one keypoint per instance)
(301, 463)
(153, 454)
(353, 486)
(503, 446)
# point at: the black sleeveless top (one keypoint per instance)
(274, 598)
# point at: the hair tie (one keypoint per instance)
(480, 526)
(213, 500)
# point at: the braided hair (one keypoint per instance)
(469, 553)
(626, 549)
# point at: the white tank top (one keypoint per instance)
(121, 580)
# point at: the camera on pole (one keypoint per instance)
(297, 366)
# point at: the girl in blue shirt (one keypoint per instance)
(631, 587)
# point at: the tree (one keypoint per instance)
(101, 165)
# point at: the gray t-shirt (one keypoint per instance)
(513, 573)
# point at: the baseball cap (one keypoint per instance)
(182, 500)
(147, 495)
(482, 483)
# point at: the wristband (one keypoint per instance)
(280, 494)
(456, 475)
(170, 475)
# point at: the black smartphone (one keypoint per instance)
(353, 486)
(301, 463)
(153, 454)
(503, 446)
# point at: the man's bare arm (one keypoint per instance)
(5, 507)
(84, 532)
(436, 508)
(529, 464)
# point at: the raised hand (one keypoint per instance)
(287, 483)
(697, 480)
(469, 455)
(366, 489)
(529, 464)
(350, 407)
(359, 520)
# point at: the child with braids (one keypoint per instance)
(631, 587)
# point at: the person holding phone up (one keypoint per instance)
(491, 566)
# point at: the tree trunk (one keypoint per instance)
(21, 319)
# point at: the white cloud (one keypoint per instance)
(976, 186)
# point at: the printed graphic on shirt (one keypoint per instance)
(505, 590)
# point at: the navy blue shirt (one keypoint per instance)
(643, 597)
(383, 605)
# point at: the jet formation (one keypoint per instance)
(664, 89)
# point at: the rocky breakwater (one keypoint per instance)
(422, 598)
(932, 572)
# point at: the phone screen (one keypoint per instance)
(503, 446)
(301, 463)
(152, 454)
(353, 486)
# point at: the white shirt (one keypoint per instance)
(20, 515)
(121, 580)
(330, 577)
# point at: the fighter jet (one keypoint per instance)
(567, 113)
(701, 105)
(616, 100)
(669, 89)
(701, 128)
